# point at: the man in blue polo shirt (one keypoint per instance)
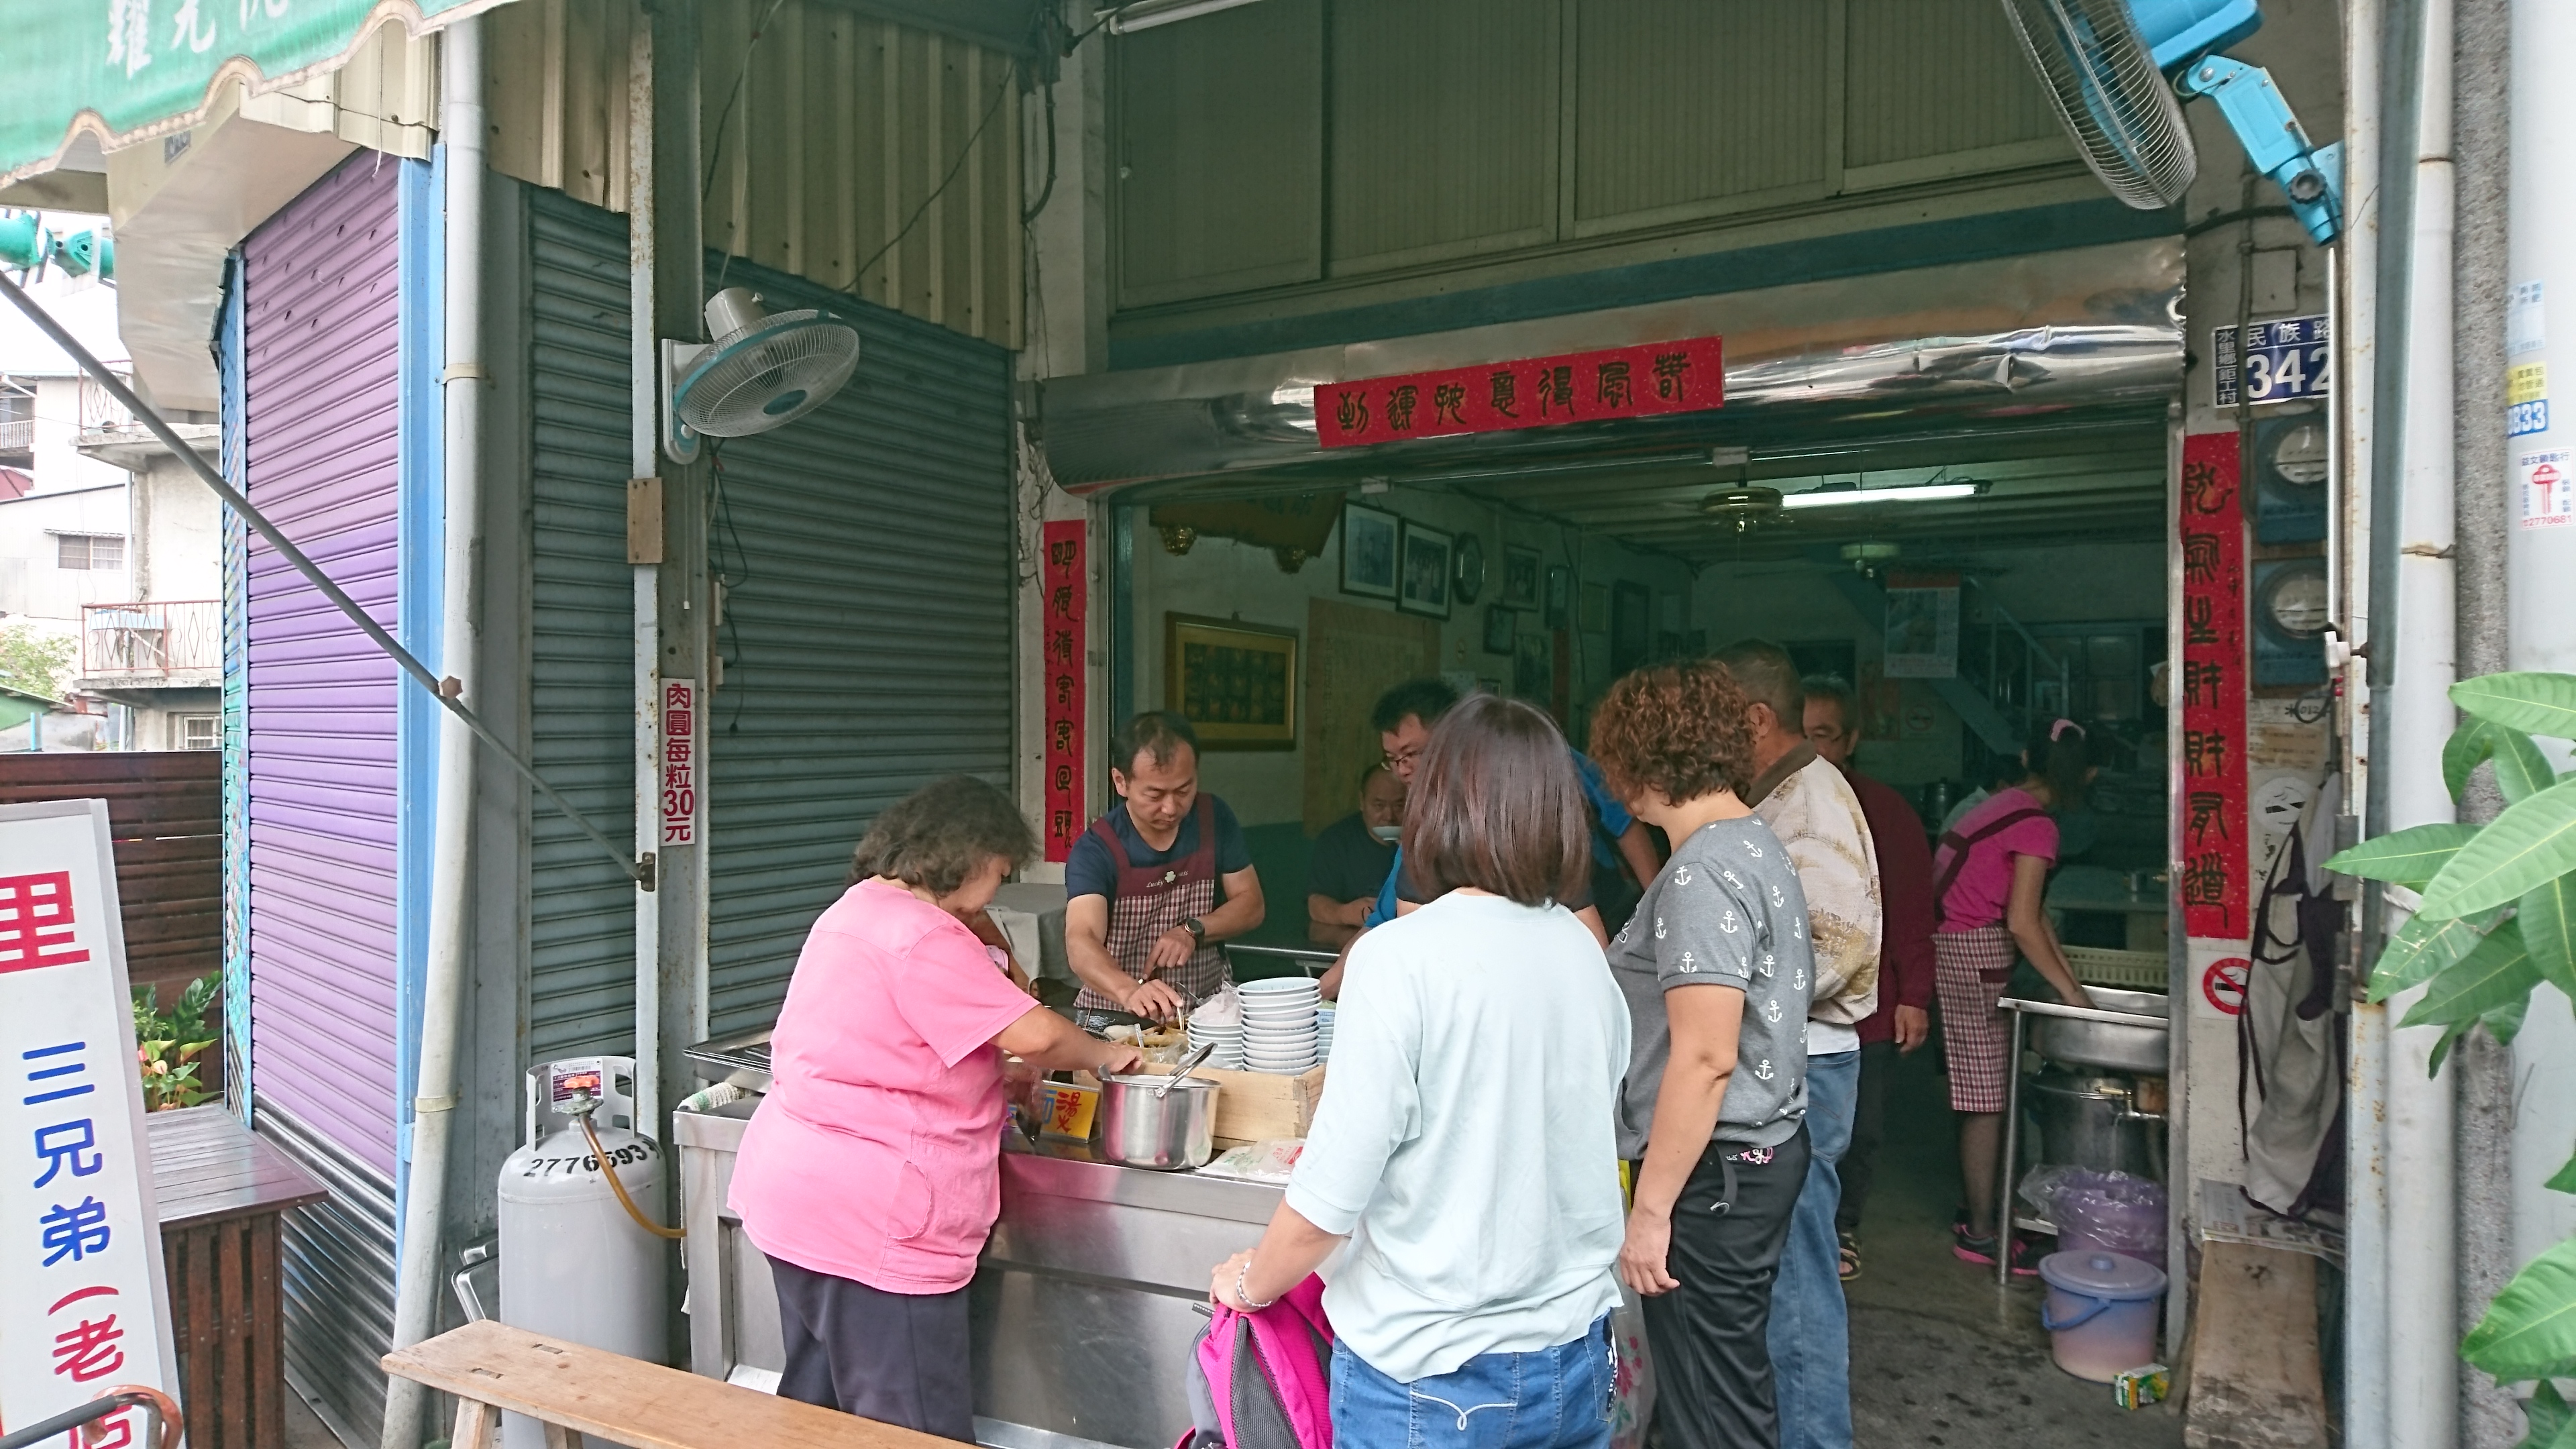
(1403, 719)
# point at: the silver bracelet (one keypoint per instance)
(1242, 1294)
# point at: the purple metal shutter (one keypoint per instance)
(321, 401)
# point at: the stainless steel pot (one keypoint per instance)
(2113, 1046)
(1170, 1133)
(2086, 1120)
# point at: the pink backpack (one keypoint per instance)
(1270, 1373)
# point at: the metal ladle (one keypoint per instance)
(1189, 1064)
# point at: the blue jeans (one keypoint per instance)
(1810, 1331)
(1552, 1398)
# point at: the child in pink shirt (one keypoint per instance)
(1989, 881)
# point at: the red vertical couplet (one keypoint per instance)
(1066, 610)
(2211, 520)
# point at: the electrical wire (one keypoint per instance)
(727, 580)
(724, 118)
(1009, 74)
(1046, 193)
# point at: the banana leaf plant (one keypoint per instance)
(2495, 916)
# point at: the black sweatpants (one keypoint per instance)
(1711, 1336)
(1859, 1166)
(897, 1358)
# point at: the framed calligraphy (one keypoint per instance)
(2210, 833)
(1236, 683)
(1064, 655)
(1539, 392)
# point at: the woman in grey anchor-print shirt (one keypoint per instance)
(1725, 910)
(1716, 968)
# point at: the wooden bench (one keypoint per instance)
(575, 1391)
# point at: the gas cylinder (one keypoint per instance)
(573, 1264)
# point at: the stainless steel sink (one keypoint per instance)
(2113, 1046)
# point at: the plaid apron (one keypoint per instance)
(1969, 969)
(1154, 899)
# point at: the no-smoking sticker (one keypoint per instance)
(2224, 984)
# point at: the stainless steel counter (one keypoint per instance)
(1083, 1307)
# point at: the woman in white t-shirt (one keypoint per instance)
(1466, 1149)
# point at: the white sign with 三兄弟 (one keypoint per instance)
(83, 1308)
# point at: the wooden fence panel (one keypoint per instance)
(165, 817)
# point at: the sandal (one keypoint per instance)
(1850, 1257)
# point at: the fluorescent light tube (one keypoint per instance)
(1917, 493)
(1146, 14)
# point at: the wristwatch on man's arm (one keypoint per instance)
(1197, 929)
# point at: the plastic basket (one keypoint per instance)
(2134, 970)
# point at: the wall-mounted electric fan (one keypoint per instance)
(764, 370)
(2115, 68)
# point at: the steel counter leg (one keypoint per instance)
(2005, 1172)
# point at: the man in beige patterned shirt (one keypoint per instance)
(1809, 805)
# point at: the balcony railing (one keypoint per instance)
(100, 409)
(18, 436)
(152, 640)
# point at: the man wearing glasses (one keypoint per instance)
(1621, 846)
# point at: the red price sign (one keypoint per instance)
(679, 762)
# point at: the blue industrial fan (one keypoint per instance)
(2115, 68)
(764, 370)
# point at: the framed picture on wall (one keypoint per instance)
(1423, 575)
(1560, 598)
(1500, 625)
(1235, 683)
(1534, 669)
(1520, 577)
(1369, 540)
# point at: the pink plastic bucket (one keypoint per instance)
(2100, 1312)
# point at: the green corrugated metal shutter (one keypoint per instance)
(866, 629)
(581, 909)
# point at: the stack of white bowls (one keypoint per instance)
(1279, 1024)
(1323, 1033)
(1219, 1020)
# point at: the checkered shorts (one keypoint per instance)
(1969, 969)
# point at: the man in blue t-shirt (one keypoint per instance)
(1404, 717)
(1156, 883)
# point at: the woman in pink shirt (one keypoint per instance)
(871, 1173)
(1989, 882)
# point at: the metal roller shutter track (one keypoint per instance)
(866, 627)
(581, 908)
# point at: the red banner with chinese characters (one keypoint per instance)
(2212, 524)
(1539, 392)
(1065, 655)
